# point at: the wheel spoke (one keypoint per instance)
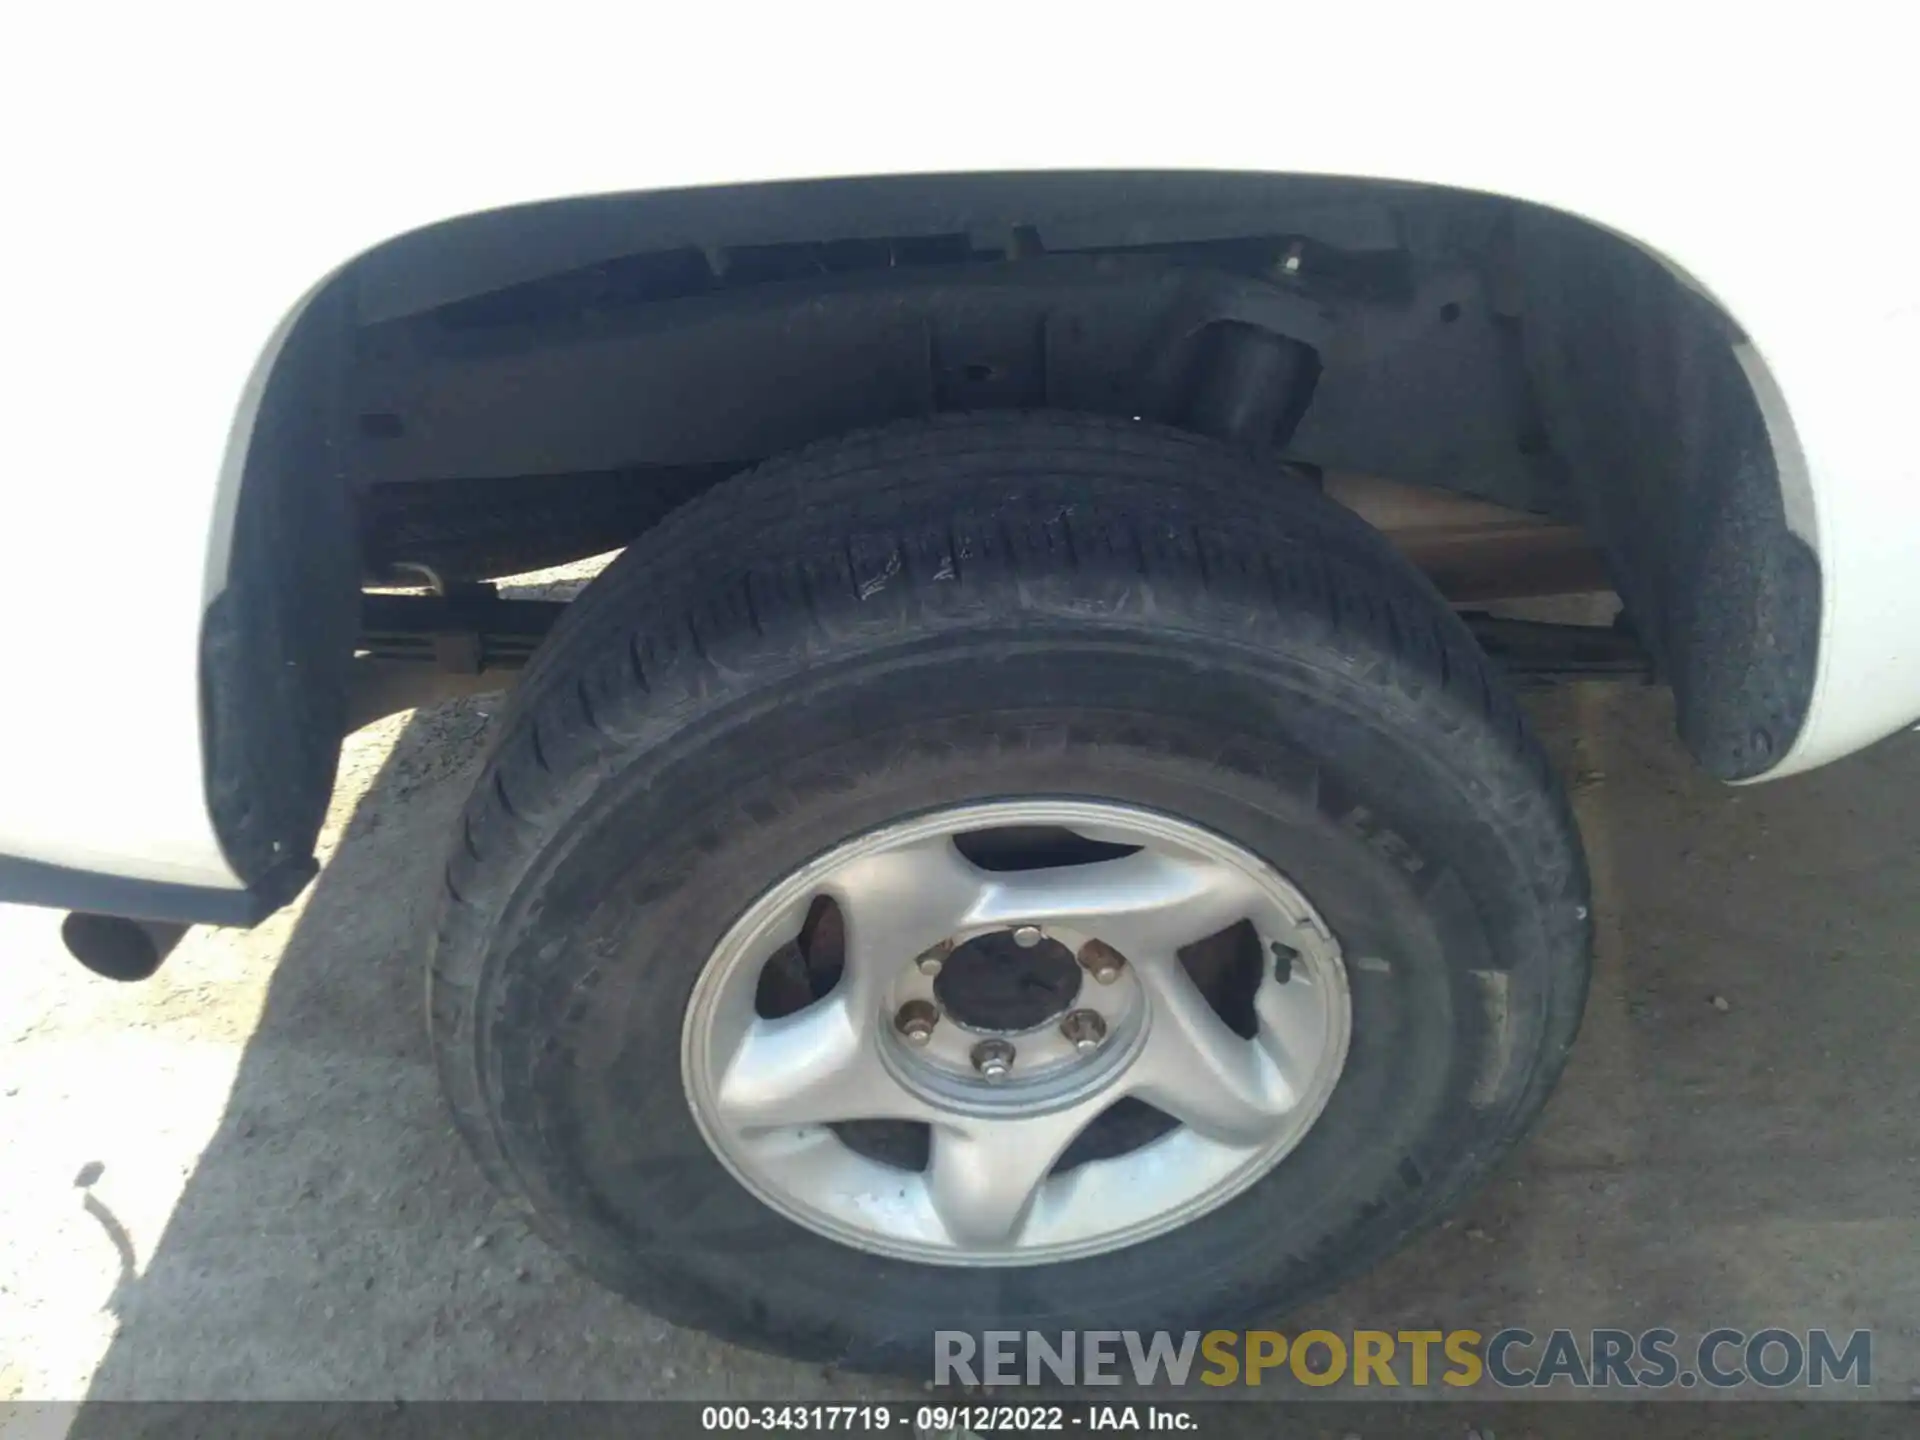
(815, 1066)
(1149, 903)
(985, 1174)
(1198, 1070)
(1293, 1029)
(902, 901)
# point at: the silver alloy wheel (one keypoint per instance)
(766, 1091)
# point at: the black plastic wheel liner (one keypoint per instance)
(277, 642)
(1645, 399)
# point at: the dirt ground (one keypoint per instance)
(238, 1180)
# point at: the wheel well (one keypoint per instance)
(524, 387)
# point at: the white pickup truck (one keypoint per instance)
(1034, 830)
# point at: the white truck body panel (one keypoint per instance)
(182, 176)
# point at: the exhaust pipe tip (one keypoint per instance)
(118, 948)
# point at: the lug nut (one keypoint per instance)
(915, 1021)
(1084, 1028)
(1026, 936)
(930, 961)
(993, 1059)
(1102, 961)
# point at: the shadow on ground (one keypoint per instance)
(1737, 1141)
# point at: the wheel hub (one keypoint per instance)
(986, 1030)
(996, 986)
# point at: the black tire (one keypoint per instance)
(968, 609)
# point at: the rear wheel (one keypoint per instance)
(1017, 872)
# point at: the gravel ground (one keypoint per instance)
(238, 1180)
